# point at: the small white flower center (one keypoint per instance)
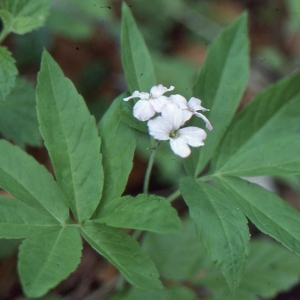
(173, 134)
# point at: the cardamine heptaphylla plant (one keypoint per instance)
(161, 253)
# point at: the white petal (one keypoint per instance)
(195, 104)
(135, 94)
(207, 123)
(180, 147)
(186, 114)
(173, 114)
(159, 128)
(144, 96)
(159, 102)
(179, 100)
(192, 135)
(143, 110)
(159, 90)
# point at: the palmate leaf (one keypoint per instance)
(21, 16)
(219, 87)
(268, 212)
(123, 252)
(263, 138)
(18, 119)
(117, 148)
(71, 137)
(136, 60)
(8, 72)
(221, 227)
(27, 180)
(48, 256)
(143, 212)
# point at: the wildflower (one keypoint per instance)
(149, 104)
(167, 127)
(191, 108)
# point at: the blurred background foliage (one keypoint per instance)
(84, 38)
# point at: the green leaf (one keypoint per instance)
(124, 253)
(270, 269)
(24, 178)
(118, 145)
(71, 137)
(21, 16)
(222, 227)
(138, 294)
(18, 119)
(173, 293)
(177, 256)
(47, 257)
(268, 212)
(219, 87)
(136, 60)
(271, 145)
(8, 72)
(144, 212)
(18, 220)
(179, 292)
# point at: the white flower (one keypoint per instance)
(190, 108)
(167, 127)
(149, 104)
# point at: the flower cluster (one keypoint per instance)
(174, 111)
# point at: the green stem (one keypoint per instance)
(150, 165)
(205, 178)
(136, 234)
(173, 196)
(177, 193)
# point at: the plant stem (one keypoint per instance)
(205, 178)
(150, 165)
(136, 234)
(177, 193)
(173, 196)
